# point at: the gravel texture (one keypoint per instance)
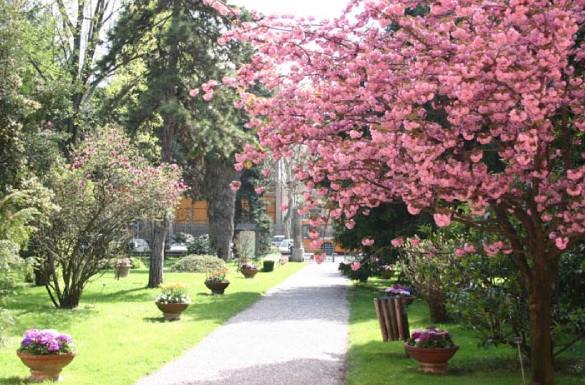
(296, 334)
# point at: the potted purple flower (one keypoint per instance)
(401, 291)
(46, 353)
(432, 348)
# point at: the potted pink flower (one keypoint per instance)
(249, 270)
(432, 348)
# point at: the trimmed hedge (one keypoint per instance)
(272, 261)
(196, 263)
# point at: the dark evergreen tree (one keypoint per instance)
(171, 48)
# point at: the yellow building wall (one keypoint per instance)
(195, 212)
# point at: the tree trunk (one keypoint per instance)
(541, 349)
(437, 302)
(70, 300)
(221, 210)
(157, 258)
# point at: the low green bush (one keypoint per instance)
(268, 265)
(196, 263)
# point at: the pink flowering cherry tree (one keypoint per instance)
(103, 187)
(472, 110)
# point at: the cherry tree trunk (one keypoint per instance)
(541, 349)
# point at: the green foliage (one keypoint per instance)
(196, 264)
(488, 297)
(360, 275)
(17, 216)
(383, 223)
(14, 106)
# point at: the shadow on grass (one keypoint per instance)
(13, 381)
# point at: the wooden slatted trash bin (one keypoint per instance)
(393, 318)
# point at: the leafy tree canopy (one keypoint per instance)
(467, 103)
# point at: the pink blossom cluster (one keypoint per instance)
(475, 103)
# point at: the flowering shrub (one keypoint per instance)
(430, 338)
(123, 262)
(216, 273)
(172, 293)
(399, 290)
(49, 341)
(249, 266)
(387, 268)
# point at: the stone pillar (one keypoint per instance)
(298, 250)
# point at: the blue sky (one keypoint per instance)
(302, 8)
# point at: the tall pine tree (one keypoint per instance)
(173, 47)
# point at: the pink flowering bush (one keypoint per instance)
(49, 341)
(428, 265)
(430, 338)
(102, 187)
(249, 266)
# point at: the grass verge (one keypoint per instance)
(373, 362)
(120, 334)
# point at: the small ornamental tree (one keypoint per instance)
(104, 187)
(437, 104)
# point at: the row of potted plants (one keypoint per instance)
(47, 352)
(173, 300)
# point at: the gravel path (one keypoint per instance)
(296, 334)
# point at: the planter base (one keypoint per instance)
(433, 367)
(172, 311)
(249, 273)
(46, 367)
(432, 360)
(216, 287)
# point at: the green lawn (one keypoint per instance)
(120, 334)
(373, 362)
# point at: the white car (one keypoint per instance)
(286, 246)
(139, 246)
(176, 249)
(277, 240)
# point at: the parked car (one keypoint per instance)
(176, 248)
(277, 240)
(286, 246)
(139, 246)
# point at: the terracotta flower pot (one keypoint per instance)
(46, 367)
(432, 360)
(172, 311)
(249, 273)
(217, 287)
(122, 271)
